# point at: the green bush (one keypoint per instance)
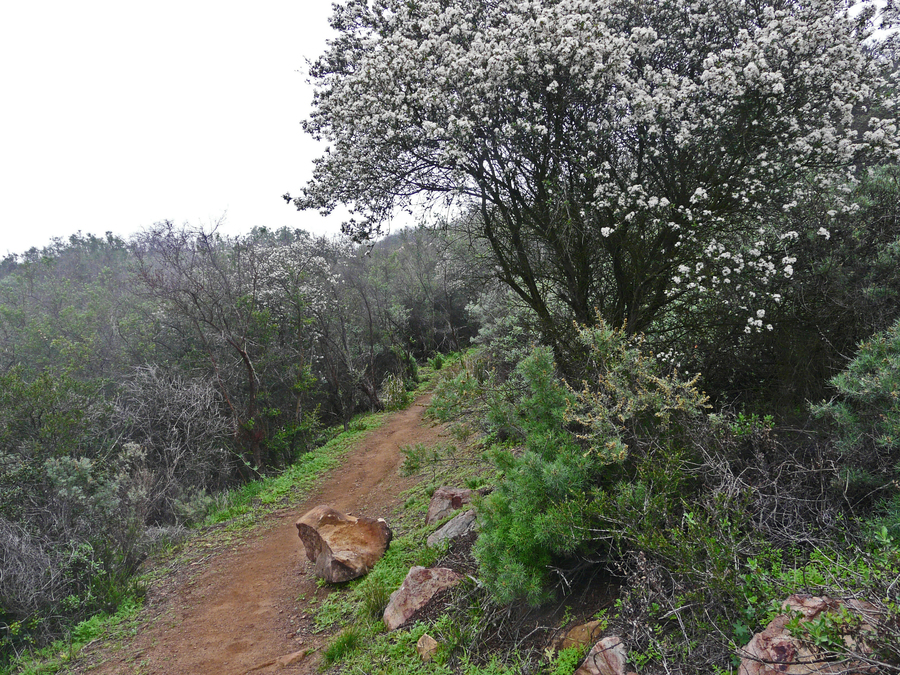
(866, 416)
(578, 446)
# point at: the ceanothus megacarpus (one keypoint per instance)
(619, 156)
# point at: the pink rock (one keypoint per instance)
(775, 651)
(445, 501)
(342, 547)
(420, 585)
(607, 657)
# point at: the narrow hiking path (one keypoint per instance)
(247, 608)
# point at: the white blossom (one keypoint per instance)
(608, 117)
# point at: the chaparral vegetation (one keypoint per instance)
(657, 280)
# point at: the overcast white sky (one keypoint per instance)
(116, 114)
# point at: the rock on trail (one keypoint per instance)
(246, 609)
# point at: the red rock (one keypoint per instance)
(342, 547)
(420, 585)
(445, 501)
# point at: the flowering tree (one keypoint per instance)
(246, 304)
(618, 156)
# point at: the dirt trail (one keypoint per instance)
(247, 608)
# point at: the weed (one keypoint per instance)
(565, 662)
(346, 643)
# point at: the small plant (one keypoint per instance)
(826, 631)
(420, 457)
(394, 393)
(745, 425)
(346, 643)
(436, 362)
(565, 662)
(373, 598)
(417, 457)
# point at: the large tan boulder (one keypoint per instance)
(418, 588)
(776, 651)
(342, 547)
(445, 501)
(582, 635)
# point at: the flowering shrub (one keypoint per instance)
(615, 156)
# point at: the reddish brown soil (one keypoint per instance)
(246, 609)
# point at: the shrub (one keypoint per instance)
(71, 507)
(866, 416)
(394, 393)
(578, 445)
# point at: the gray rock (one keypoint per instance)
(453, 528)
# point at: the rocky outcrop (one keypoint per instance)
(776, 651)
(445, 501)
(607, 657)
(418, 588)
(342, 547)
(456, 527)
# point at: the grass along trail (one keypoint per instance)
(246, 608)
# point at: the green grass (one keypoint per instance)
(57, 656)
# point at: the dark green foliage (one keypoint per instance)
(578, 446)
(866, 417)
(845, 287)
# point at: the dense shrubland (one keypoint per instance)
(707, 518)
(140, 379)
(691, 379)
(672, 232)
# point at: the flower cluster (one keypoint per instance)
(661, 136)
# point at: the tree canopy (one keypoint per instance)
(617, 156)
